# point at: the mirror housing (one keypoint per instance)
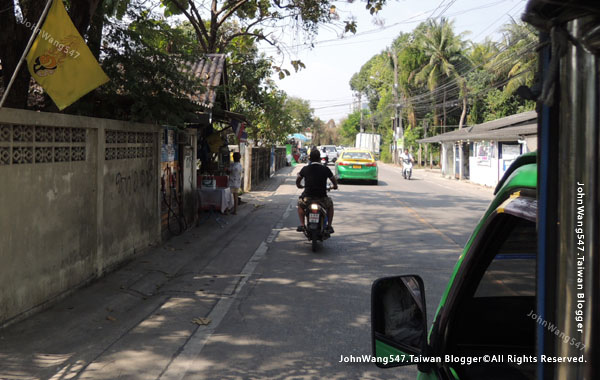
(398, 320)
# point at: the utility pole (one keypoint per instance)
(361, 112)
(425, 127)
(398, 130)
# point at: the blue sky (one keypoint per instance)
(331, 64)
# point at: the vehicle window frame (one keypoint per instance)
(470, 274)
(369, 156)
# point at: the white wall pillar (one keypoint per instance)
(460, 160)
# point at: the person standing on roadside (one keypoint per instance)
(235, 180)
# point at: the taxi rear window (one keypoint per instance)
(357, 156)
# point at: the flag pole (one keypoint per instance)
(31, 39)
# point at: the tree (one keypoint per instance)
(444, 52)
(144, 57)
(410, 58)
(300, 113)
(351, 126)
(217, 23)
(374, 80)
(318, 130)
(517, 60)
(480, 78)
(330, 134)
(499, 68)
(275, 124)
(436, 70)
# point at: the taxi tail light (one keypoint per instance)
(342, 163)
(371, 164)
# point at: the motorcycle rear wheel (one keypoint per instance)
(314, 245)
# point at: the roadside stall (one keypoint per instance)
(213, 163)
(220, 132)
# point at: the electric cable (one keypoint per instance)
(452, 87)
(423, 100)
(410, 20)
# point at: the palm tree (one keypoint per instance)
(445, 61)
(480, 77)
(404, 58)
(483, 53)
(518, 57)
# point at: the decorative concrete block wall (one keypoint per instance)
(78, 196)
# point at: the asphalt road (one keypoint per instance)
(300, 311)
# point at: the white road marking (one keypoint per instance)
(180, 365)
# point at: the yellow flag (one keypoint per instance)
(60, 61)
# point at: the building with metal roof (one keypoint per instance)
(483, 152)
(213, 74)
(213, 96)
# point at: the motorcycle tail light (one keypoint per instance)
(314, 207)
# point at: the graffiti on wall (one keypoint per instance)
(131, 182)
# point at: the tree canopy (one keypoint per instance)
(444, 80)
(142, 46)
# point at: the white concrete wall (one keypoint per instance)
(79, 195)
(448, 160)
(483, 174)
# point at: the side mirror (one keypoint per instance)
(398, 320)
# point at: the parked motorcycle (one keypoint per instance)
(407, 168)
(316, 223)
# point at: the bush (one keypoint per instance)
(385, 156)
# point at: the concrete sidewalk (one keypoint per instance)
(135, 322)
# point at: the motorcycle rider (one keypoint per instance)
(315, 178)
(324, 155)
(407, 161)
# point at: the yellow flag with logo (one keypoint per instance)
(60, 61)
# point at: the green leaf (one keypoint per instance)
(298, 65)
(350, 26)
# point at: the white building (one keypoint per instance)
(483, 152)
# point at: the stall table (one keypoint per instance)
(219, 198)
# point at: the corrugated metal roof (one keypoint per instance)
(211, 71)
(503, 129)
(504, 134)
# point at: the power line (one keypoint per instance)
(454, 84)
(498, 19)
(452, 88)
(410, 20)
(435, 10)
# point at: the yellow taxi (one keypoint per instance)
(356, 164)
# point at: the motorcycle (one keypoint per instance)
(324, 158)
(316, 223)
(407, 168)
(303, 157)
